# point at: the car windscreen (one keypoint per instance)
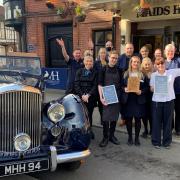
(30, 65)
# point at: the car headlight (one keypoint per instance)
(22, 142)
(56, 112)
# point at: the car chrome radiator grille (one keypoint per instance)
(20, 112)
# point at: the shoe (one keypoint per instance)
(104, 142)
(114, 140)
(144, 135)
(168, 146)
(137, 142)
(157, 146)
(130, 142)
(177, 133)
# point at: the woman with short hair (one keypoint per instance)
(144, 52)
(110, 75)
(86, 86)
(162, 103)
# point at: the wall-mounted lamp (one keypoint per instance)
(123, 39)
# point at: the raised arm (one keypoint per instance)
(64, 52)
(175, 72)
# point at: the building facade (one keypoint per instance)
(8, 36)
(39, 25)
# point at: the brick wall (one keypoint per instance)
(38, 15)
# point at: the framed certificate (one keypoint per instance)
(110, 94)
(133, 84)
(161, 85)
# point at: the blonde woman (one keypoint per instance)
(134, 103)
(101, 59)
(147, 69)
(98, 65)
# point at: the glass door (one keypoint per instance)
(177, 43)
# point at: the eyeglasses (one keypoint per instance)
(162, 63)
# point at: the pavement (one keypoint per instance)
(52, 94)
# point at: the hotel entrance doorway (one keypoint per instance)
(151, 41)
(177, 43)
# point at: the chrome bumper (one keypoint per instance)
(68, 157)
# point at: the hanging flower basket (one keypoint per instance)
(61, 12)
(80, 14)
(143, 12)
(143, 8)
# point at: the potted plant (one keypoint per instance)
(61, 12)
(80, 14)
(143, 8)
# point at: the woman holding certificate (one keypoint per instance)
(162, 85)
(109, 91)
(86, 86)
(135, 86)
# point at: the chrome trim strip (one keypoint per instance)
(53, 158)
(17, 87)
(74, 156)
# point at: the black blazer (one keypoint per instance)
(86, 84)
(144, 87)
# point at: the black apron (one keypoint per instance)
(111, 112)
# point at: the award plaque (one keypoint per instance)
(133, 84)
(109, 94)
(161, 85)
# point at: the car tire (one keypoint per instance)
(72, 166)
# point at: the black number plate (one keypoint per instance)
(24, 167)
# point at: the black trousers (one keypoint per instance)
(162, 113)
(177, 113)
(100, 108)
(90, 107)
(148, 118)
(137, 126)
(109, 129)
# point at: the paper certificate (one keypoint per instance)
(133, 84)
(161, 85)
(109, 94)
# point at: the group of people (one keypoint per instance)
(87, 77)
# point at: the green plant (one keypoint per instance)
(18, 14)
(60, 10)
(79, 11)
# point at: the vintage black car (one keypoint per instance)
(35, 136)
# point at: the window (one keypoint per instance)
(100, 39)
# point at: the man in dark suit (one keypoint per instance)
(123, 60)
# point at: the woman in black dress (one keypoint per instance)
(147, 69)
(110, 75)
(134, 103)
(100, 62)
(86, 86)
